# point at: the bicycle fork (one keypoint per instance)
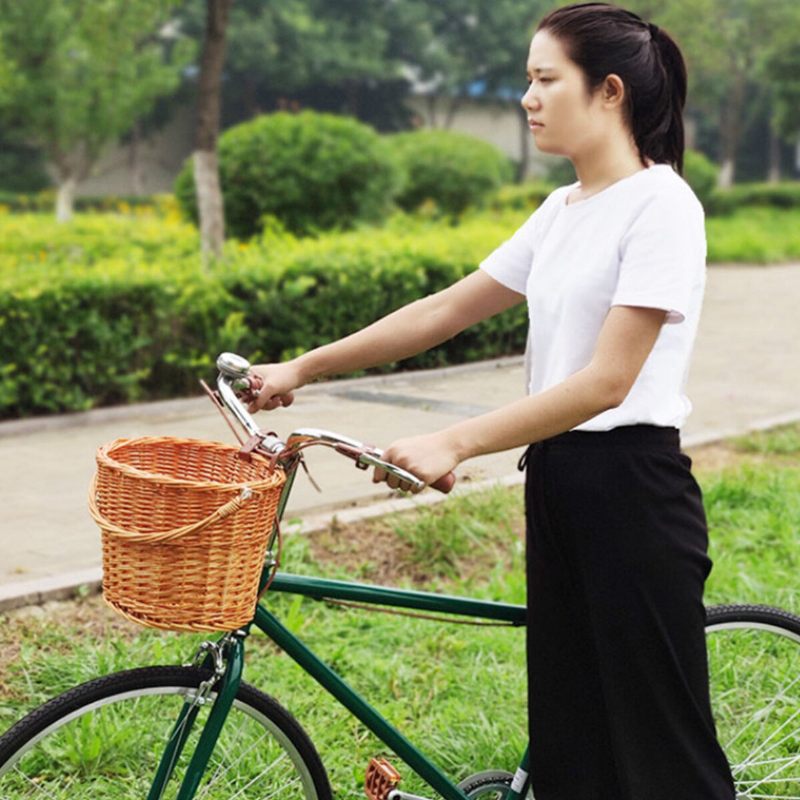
(227, 659)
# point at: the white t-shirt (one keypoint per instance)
(638, 242)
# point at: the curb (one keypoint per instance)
(194, 406)
(89, 581)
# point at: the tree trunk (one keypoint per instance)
(135, 160)
(774, 157)
(524, 145)
(351, 95)
(250, 93)
(209, 201)
(206, 172)
(65, 199)
(731, 121)
(454, 105)
(431, 110)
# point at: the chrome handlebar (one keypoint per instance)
(233, 377)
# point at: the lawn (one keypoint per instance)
(457, 689)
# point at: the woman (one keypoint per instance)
(613, 270)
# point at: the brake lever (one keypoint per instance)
(372, 458)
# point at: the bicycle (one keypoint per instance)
(203, 732)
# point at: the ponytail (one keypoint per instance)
(603, 39)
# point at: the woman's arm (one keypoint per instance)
(625, 341)
(411, 329)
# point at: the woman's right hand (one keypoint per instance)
(278, 382)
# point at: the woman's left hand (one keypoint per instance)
(429, 457)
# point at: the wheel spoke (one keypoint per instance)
(109, 747)
(754, 670)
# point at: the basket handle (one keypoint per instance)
(231, 507)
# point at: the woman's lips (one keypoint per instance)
(534, 126)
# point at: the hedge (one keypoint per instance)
(76, 336)
(785, 194)
(46, 201)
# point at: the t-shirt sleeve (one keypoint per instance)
(511, 262)
(663, 255)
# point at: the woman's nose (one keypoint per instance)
(528, 100)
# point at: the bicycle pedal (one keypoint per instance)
(381, 779)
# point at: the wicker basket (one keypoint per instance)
(184, 526)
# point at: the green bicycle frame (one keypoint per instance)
(309, 662)
(320, 588)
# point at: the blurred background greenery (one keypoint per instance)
(369, 152)
(103, 93)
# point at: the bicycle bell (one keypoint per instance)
(233, 366)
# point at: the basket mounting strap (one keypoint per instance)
(225, 510)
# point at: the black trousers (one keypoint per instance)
(617, 666)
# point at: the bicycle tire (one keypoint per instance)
(754, 677)
(492, 784)
(754, 660)
(103, 739)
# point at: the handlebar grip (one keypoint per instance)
(445, 483)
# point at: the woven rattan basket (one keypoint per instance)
(184, 527)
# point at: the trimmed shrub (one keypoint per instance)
(22, 168)
(116, 204)
(701, 174)
(141, 323)
(526, 196)
(452, 170)
(311, 171)
(560, 172)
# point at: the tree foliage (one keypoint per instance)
(77, 75)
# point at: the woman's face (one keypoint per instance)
(562, 116)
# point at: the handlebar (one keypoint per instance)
(234, 378)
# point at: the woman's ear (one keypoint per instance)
(612, 91)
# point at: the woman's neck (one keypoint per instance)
(598, 169)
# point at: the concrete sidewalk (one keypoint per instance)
(745, 375)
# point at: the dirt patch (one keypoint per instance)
(726, 455)
(369, 549)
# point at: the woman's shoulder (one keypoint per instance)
(663, 186)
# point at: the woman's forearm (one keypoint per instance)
(580, 397)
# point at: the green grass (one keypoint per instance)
(783, 441)
(754, 235)
(458, 691)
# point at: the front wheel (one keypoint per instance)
(754, 672)
(103, 740)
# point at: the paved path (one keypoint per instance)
(745, 374)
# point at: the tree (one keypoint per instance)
(782, 69)
(728, 45)
(481, 46)
(206, 167)
(336, 53)
(78, 74)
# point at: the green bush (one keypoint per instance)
(452, 170)
(138, 324)
(701, 174)
(311, 171)
(46, 201)
(22, 168)
(520, 196)
(560, 172)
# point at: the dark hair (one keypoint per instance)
(603, 39)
